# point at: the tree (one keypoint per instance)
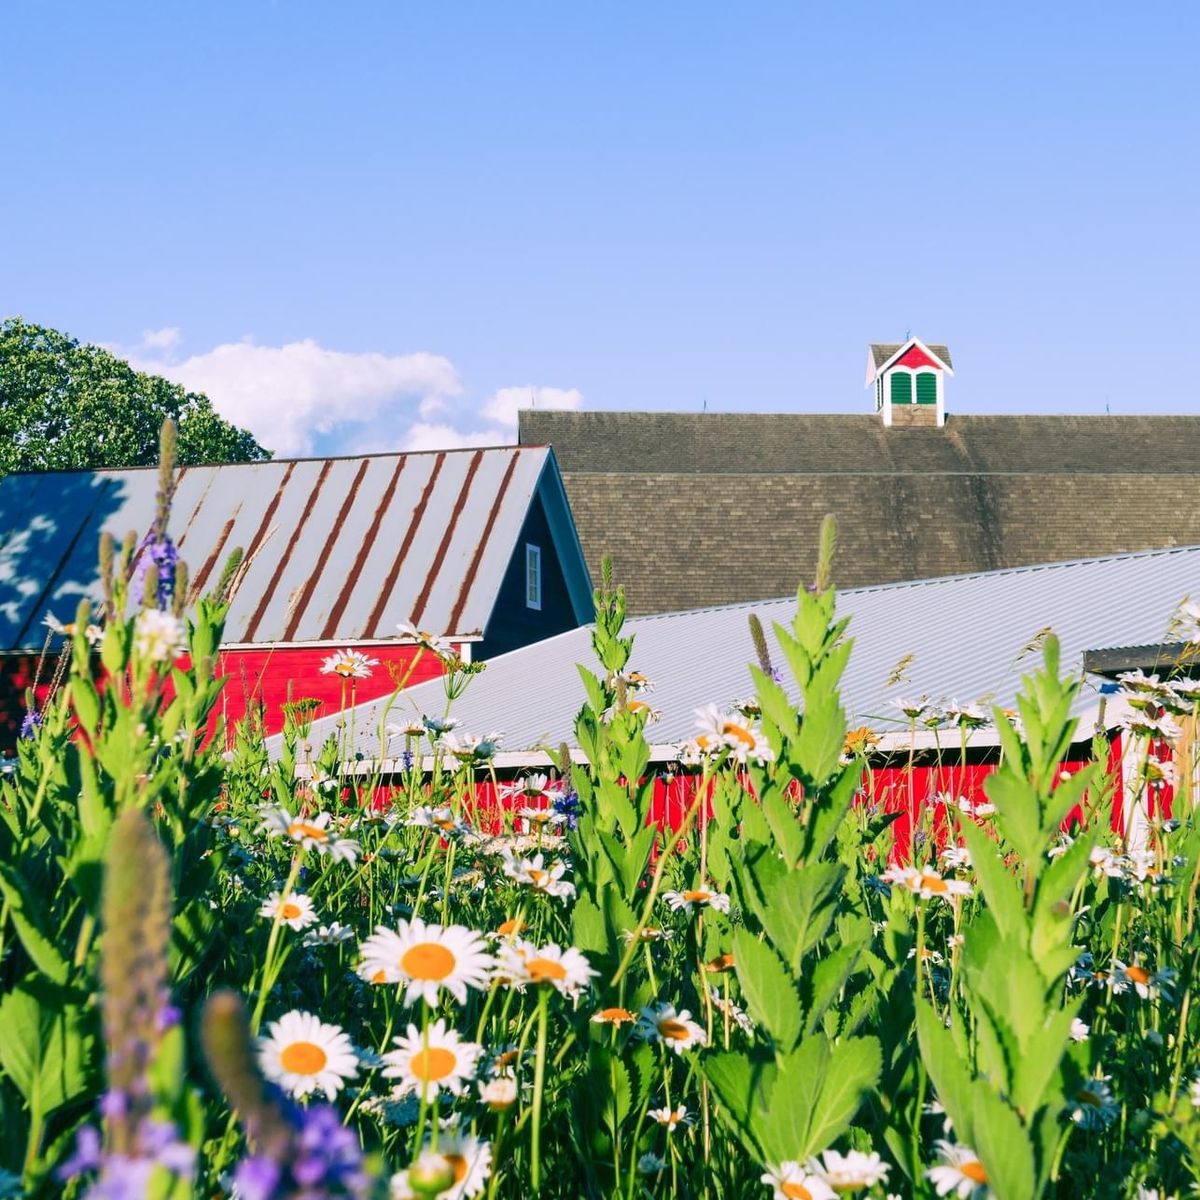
(65, 405)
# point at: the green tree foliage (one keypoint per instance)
(65, 405)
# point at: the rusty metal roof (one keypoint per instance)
(337, 549)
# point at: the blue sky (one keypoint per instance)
(362, 225)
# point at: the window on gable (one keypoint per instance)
(533, 576)
(901, 388)
(926, 388)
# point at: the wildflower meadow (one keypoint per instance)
(230, 969)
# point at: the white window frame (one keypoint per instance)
(533, 576)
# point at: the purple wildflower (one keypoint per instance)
(568, 805)
(156, 552)
(322, 1158)
(31, 722)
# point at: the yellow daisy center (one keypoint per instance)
(345, 667)
(673, 1030)
(1138, 974)
(933, 883)
(458, 1165)
(304, 829)
(974, 1171)
(433, 1064)
(795, 1191)
(537, 878)
(509, 927)
(303, 1058)
(545, 970)
(427, 960)
(289, 911)
(698, 897)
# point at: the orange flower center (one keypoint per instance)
(427, 960)
(303, 1058)
(739, 733)
(380, 976)
(673, 1030)
(974, 1171)
(458, 1165)
(433, 1064)
(538, 878)
(933, 883)
(699, 897)
(615, 1016)
(544, 970)
(303, 829)
(509, 927)
(289, 911)
(506, 1058)
(1138, 974)
(723, 962)
(344, 668)
(795, 1191)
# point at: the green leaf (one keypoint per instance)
(742, 1085)
(44, 1048)
(769, 989)
(1003, 1146)
(950, 1074)
(1000, 889)
(32, 925)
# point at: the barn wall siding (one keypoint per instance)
(513, 623)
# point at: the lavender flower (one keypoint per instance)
(31, 722)
(158, 555)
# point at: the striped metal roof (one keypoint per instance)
(336, 549)
(969, 637)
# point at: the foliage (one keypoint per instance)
(66, 405)
(749, 993)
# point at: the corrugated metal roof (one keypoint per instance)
(337, 549)
(965, 633)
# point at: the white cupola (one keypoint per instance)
(909, 382)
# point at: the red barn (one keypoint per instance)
(477, 546)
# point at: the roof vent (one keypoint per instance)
(909, 382)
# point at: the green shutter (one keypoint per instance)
(901, 388)
(927, 388)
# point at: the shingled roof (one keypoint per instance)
(882, 351)
(698, 509)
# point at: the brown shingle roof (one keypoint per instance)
(700, 509)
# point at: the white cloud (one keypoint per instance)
(294, 396)
(502, 406)
(285, 395)
(445, 437)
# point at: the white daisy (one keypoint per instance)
(541, 818)
(661, 1023)
(328, 935)
(567, 970)
(1079, 1030)
(850, 1172)
(499, 1093)
(427, 958)
(349, 664)
(956, 858)
(1095, 1107)
(468, 747)
(926, 883)
(530, 788)
(159, 636)
(790, 1181)
(697, 898)
(441, 818)
(431, 641)
(960, 1172)
(671, 1118)
(462, 1160)
(295, 911)
(310, 833)
(432, 1060)
(302, 1054)
(534, 873)
(731, 732)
